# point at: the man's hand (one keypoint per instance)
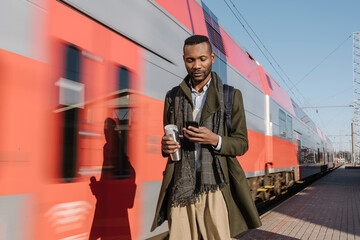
(168, 145)
(201, 135)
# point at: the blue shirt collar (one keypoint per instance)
(205, 87)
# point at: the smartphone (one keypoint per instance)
(192, 124)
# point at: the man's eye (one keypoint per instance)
(203, 59)
(189, 60)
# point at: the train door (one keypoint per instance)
(298, 143)
(64, 206)
(71, 93)
(96, 182)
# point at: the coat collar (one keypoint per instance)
(184, 85)
(212, 102)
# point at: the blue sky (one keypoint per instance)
(299, 35)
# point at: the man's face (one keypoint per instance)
(198, 61)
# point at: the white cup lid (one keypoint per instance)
(171, 127)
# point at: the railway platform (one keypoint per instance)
(328, 209)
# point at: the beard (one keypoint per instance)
(200, 76)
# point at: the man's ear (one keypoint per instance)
(212, 57)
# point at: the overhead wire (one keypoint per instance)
(322, 61)
(265, 55)
(257, 37)
(294, 85)
(290, 89)
(335, 95)
(337, 115)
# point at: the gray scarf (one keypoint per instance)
(188, 185)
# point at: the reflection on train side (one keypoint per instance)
(95, 136)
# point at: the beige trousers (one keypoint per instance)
(207, 218)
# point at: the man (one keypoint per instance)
(205, 194)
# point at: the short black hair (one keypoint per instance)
(197, 39)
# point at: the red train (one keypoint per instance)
(82, 90)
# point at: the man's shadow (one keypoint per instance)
(115, 191)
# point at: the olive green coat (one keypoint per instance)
(243, 214)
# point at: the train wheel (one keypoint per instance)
(265, 196)
(268, 179)
(289, 179)
(277, 185)
(252, 182)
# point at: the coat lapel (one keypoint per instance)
(186, 89)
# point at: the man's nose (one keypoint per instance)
(196, 64)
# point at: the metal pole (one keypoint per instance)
(353, 144)
(356, 97)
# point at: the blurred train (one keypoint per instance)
(81, 97)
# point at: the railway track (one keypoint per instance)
(264, 206)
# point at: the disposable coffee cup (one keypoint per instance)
(172, 131)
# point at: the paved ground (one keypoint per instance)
(328, 209)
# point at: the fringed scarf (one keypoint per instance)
(188, 184)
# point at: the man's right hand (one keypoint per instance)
(168, 145)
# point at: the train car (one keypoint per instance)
(82, 92)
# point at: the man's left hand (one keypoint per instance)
(201, 135)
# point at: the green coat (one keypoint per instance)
(243, 214)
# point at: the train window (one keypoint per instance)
(122, 166)
(118, 126)
(123, 78)
(289, 128)
(72, 64)
(249, 55)
(116, 160)
(213, 30)
(327, 157)
(70, 87)
(282, 123)
(70, 117)
(285, 125)
(330, 157)
(220, 67)
(309, 155)
(215, 38)
(295, 108)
